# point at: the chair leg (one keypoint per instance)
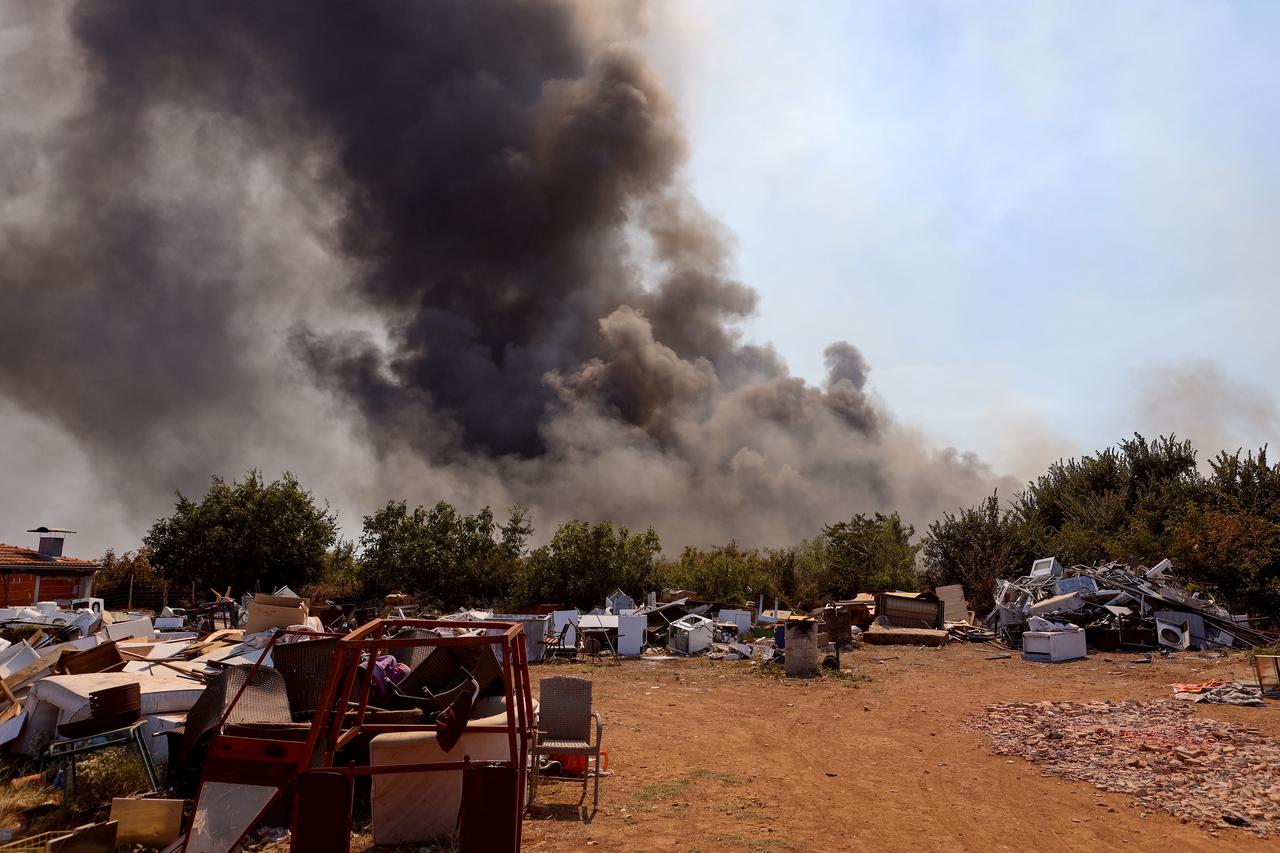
(595, 802)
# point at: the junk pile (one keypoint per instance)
(260, 722)
(1205, 771)
(1115, 606)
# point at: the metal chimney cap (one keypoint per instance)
(50, 530)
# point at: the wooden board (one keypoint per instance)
(955, 610)
(153, 823)
(92, 838)
(22, 676)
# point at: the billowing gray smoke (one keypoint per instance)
(419, 249)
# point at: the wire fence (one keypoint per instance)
(133, 594)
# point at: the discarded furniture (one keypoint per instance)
(910, 610)
(415, 807)
(953, 606)
(880, 634)
(1268, 669)
(242, 694)
(490, 807)
(152, 823)
(303, 665)
(558, 647)
(322, 813)
(595, 641)
(690, 634)
(90, 838)
(564, 727)
(66, 752)
(56, 699)
(247, 776)
(445, 674)
(624, 634)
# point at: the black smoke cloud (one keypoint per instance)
(431, 249)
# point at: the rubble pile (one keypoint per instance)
(1119, 606)
(1203, 771)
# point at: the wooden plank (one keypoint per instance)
(955, 610)
(153, 823)
(91, 838)
(29, 673)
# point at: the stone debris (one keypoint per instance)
(1207, 772)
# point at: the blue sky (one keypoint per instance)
(1046, 225)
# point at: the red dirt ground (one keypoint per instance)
(714, 755)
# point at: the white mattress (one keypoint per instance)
(56, 699)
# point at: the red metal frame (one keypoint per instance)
(344, 678)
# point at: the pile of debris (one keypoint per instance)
(1205, 771)
(241, 703)
(1117, 606)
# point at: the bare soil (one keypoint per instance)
(717, 755)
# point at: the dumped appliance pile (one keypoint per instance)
(1119, 607)
(1205, 771)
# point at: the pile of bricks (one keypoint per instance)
(1204, 771)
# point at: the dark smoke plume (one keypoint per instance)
(430, 249)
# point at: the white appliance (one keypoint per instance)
(1053, 646)
(690, 634)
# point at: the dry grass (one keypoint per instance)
(114, 772)
(30, 808)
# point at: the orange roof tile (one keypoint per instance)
(13, 556)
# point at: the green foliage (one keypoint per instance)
(440, 555)
(728, 573)
(583, 563)
(1142, 500)
(868, 554)
(975, 547)
(243, 535)
(119, 568)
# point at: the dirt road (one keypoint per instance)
(712, 755)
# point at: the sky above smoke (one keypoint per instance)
(438, 251)
(1035, 219)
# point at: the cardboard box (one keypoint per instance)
(274, 611)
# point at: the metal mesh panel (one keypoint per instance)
(304, 666)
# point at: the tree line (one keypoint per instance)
(1140, 500)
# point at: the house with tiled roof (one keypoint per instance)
(28, 575)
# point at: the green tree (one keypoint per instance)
(246, 535)
(583, 563)
(869, 554)
(440, 555)
(728, 573)
(974, 548)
